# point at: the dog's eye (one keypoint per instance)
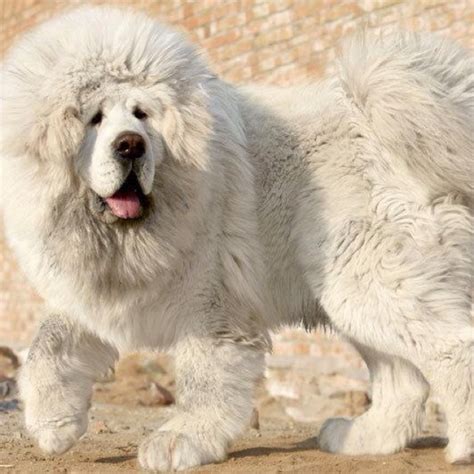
(97, 118)
(139, 114)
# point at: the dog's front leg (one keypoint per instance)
(56, 382)
(216, 380)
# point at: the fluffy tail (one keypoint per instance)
(417, 93)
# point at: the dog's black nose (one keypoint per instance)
(129, 145)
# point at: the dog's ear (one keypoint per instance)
(31, 124)
(56, 136)
(187, 127)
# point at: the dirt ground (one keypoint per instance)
(128, 405)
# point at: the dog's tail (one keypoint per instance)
(416, 92)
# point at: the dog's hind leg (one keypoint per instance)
(449, 370)
(399, 392)
(56, 382)
(403, 288)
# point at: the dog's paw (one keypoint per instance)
(169, 450)
(358, 436)
(56, 437)
(333, 433)
(460, 451)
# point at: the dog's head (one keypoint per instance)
(112, 128)
(100, 98)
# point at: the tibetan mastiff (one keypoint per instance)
(153, 205)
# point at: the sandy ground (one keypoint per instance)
(127, 407)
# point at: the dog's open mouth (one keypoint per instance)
(129, 201)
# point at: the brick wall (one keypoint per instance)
(274, 41)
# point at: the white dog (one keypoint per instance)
(152, 205)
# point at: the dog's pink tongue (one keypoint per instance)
(124, 204)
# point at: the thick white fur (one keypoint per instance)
(345, 203)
